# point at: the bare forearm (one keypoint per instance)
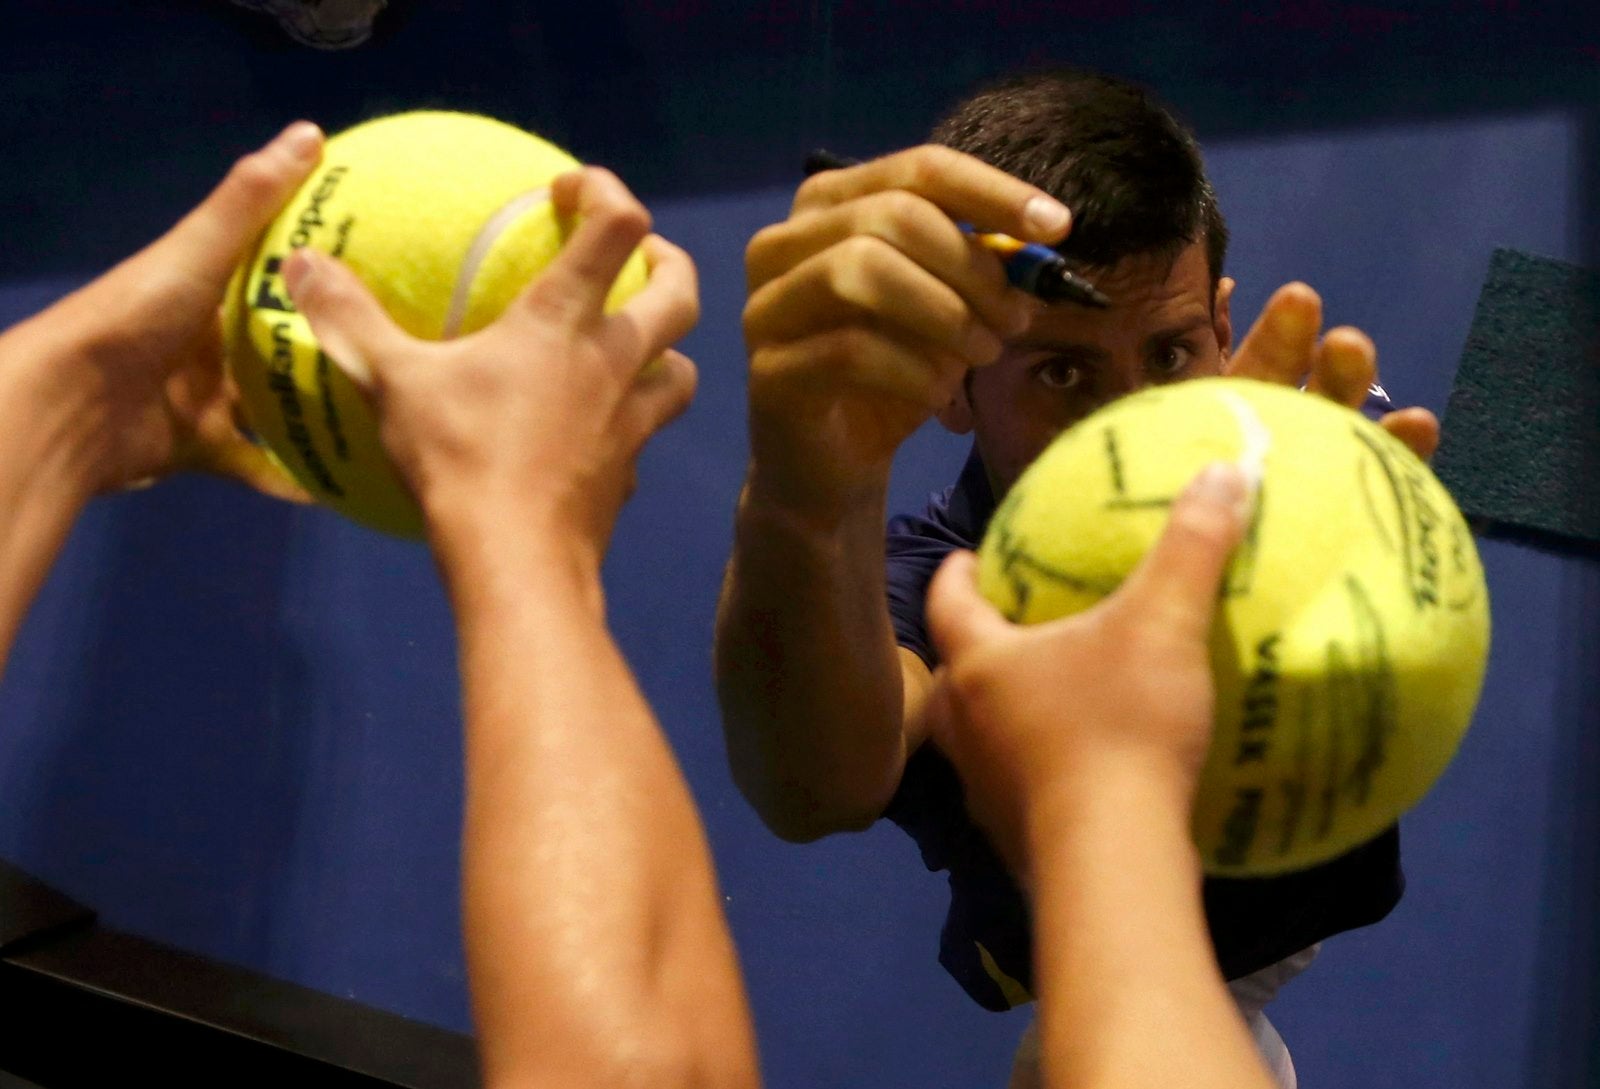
(1130, 994)
(46, 461)
(597, 949)
(807, 669)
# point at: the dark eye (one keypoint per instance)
(1060, 374)
(1172, 360)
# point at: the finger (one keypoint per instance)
(247, 463)
(964, 187)
(1344, 366)
(864, 280)
(664, 390)
(905, 380)
(1279, 346)
(910, 224)
(960, 618)
(1416, 427)
(350, 325)
(1176, 584)
(662, 312)
(211, 240)
(610, 225)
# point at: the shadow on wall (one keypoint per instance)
(697, 96)
(1565, 1049)
(177, 656)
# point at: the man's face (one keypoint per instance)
(1164, 325)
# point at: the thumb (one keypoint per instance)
(1178, 581)
(213, 238)
(351, 326)
(959, 617)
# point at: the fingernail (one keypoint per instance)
(299, 269)
(1046, 216)
(1224, 484)
(303, 140)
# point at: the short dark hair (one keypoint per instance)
(1129, 170)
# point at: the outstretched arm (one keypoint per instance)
(122, 380)
(1089, 801)
(597, 950)
(867, 306)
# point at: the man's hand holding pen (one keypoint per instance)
(1036, 269)
(867, 307)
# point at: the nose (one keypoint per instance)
(1123, 378)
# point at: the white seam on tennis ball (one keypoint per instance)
(1256, 436)
(488, 235)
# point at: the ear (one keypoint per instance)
(1222, 316)
(957, 414)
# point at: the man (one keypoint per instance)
(598, 954)
(869, 312)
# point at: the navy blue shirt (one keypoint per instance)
(987, 941)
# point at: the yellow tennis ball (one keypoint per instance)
(446, 217)
(1350, 642)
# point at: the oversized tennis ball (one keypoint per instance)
(446, 217)
(1350, 642)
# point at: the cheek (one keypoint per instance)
(1011, 447)
(1015, 418)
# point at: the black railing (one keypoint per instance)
(85, 1006)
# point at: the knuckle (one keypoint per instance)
(901, 212)
(922, 169)
(763, 312)
(613, 204)
(546, 303)
(764, 244)
(855, 274)
(629, 218)
(817, 189)
(750, 323)
(687, 304)
(931, 163)
(254, 175)
(687, 378)
(682, 307)
(845, 345)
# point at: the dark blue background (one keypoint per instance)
(232, 725)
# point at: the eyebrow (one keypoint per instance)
(1092, 353)
(1073, 352)
(1177, 329)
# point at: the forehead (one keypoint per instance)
(1146, 292)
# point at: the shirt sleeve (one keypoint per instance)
(915, 548)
